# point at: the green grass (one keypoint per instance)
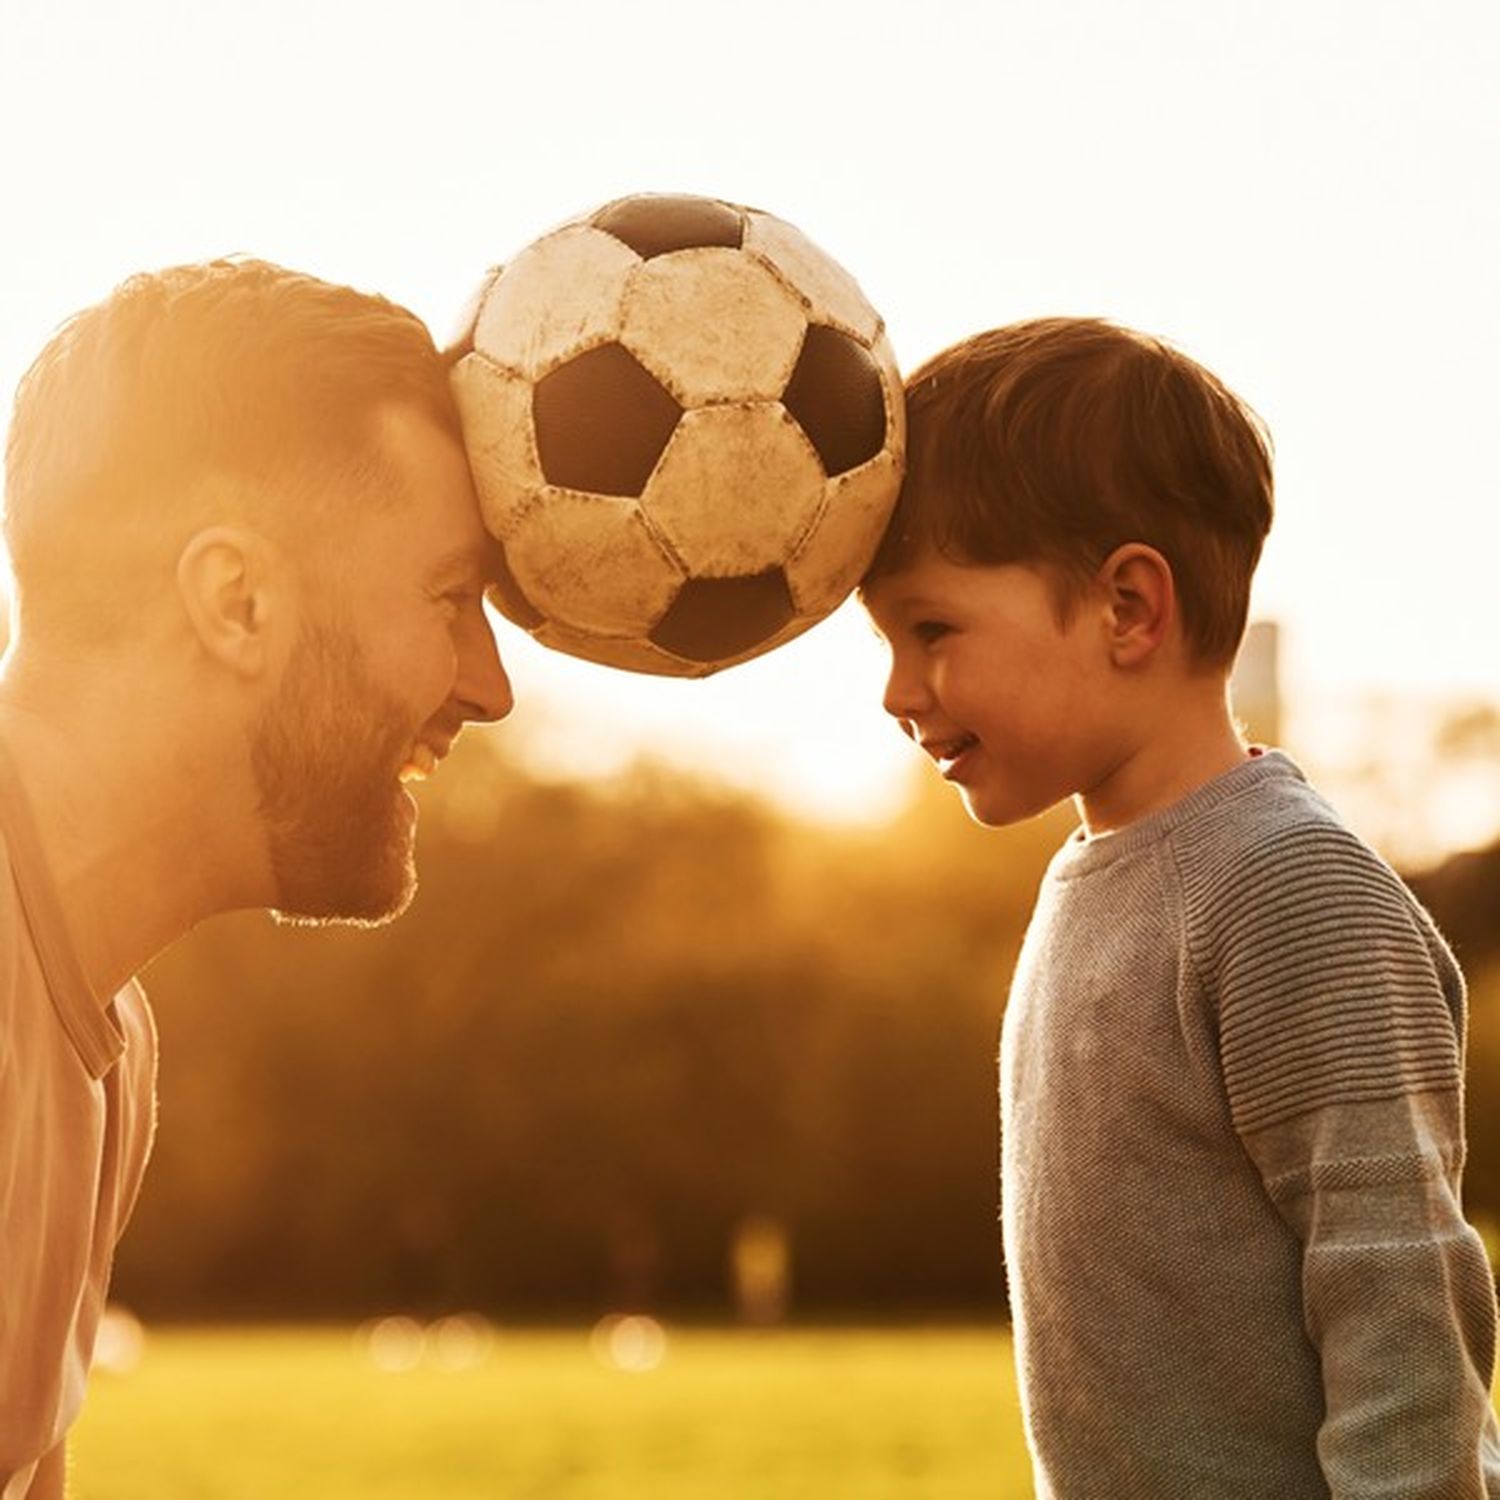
(866, 1414)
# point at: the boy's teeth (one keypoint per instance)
(419, 763)
(951, 752)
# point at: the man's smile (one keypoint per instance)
(421, 761)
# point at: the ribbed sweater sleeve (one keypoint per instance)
(1328, 987)
(1339, 1016)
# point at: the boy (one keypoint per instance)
(1232, 1060)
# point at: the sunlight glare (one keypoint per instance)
(120, 1344)
(631, 1342)
(462, 1341)
(394, 1345)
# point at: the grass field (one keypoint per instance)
(233, 1414)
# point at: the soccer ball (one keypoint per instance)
(686, 430)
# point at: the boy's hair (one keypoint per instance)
(1055, 441)
(140, 408)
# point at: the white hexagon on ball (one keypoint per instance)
(895, 401)
(830, 292)
(591, 562)
(628, 654)
(557, 297)
(712, 325)
(736, 489)
(834, 556)
(495, 409)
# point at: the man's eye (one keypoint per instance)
(460, 599)
(928, 631)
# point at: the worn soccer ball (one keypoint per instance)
(686, 430)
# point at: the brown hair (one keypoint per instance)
(1057, 440)
(138, 408)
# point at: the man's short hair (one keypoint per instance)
(231, 377)
(1054, 441)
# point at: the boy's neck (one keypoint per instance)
(1190, 742)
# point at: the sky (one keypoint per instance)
(1303, 197)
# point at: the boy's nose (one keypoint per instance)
(905, 695)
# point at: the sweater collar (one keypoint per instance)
(1083, 853)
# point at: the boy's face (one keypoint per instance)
(1014, 707)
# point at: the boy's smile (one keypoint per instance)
(1009, 701)
(950, 753)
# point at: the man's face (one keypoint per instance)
(393, 657)
(1011, 705)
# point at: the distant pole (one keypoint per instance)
(1255, 688)
(760, 1262)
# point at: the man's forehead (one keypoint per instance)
(433, 477)
(419, 443)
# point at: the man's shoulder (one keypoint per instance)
(13, 930)
(11, 921)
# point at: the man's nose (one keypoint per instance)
(483, 688)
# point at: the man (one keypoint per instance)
(248, 570)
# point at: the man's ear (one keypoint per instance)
(225, 580)
(1142, 602)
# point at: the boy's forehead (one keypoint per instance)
(918, 578)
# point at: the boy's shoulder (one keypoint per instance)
(1278, 866)
(1271, 816)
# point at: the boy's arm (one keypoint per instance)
(1398, 1297)
(1341, 1039)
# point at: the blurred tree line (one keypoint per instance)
(619, 1021)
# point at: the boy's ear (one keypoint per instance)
(1141, 600)
(226, 580)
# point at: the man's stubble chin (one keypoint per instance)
(371, 903)
(340, 829)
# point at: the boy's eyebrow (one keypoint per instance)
(914, 601)
(899, 609)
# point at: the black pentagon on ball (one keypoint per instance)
(714, 618)
(658, 223)
(602, 420)
(507, 595)
(836, 395)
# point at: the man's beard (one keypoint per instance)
(325, 756)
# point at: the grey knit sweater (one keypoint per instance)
(1231, 1077)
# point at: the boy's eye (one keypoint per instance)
(928, 631)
